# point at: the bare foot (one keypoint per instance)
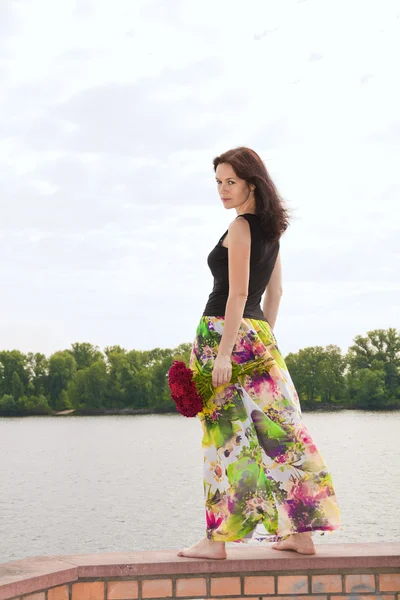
(205, 549)
(299, 542)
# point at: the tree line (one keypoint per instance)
(89, 381)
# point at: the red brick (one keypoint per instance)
(360, 583)
(389, 582)
(89, 590)
(222, 586)
(156, 588)
(362, 597)
(326, 583)
(288, 598)
(292, 584)
(36, 596)
(194, 586)
(122, 590)
(300, 597)
(259, 584)
(58, 593)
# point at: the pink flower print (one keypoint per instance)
(305, 436)
(208, 353)
(300, 491)
(213, 522)
(255, 507)
(273, 385)
(307, 440)
(282, 458)
(324, 493)
(301, 506)
(242, 351)
(231, 504)
(258, 349)
(263, 383)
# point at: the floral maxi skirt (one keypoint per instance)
(264, 478)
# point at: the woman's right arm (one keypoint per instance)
(273, 293)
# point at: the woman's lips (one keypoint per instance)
(225, 199)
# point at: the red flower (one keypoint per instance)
(183, 389)
(213, 522)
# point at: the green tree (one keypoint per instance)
(83, 377)
(304, 367)
(330, 376)
(377, 352)
(370, 390)
(12, 361)
(128, 384)
(17, 386)
(160, 395)
(62, 370)
(87, 391)
(85, 355)
(37, 405)
(38, 370)
(8, 406)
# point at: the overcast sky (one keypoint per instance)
(110, 116)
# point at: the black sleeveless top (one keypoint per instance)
(262, 261)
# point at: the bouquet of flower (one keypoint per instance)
(191, 391)
(183, 389)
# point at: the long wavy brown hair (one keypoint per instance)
(270, 208)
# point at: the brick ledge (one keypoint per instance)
(35, 573)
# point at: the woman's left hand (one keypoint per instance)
(222, 371)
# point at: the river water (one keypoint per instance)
(122, 483)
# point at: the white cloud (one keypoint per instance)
(111, 116)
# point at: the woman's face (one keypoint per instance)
(233, 191)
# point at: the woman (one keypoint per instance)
(264, 478)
